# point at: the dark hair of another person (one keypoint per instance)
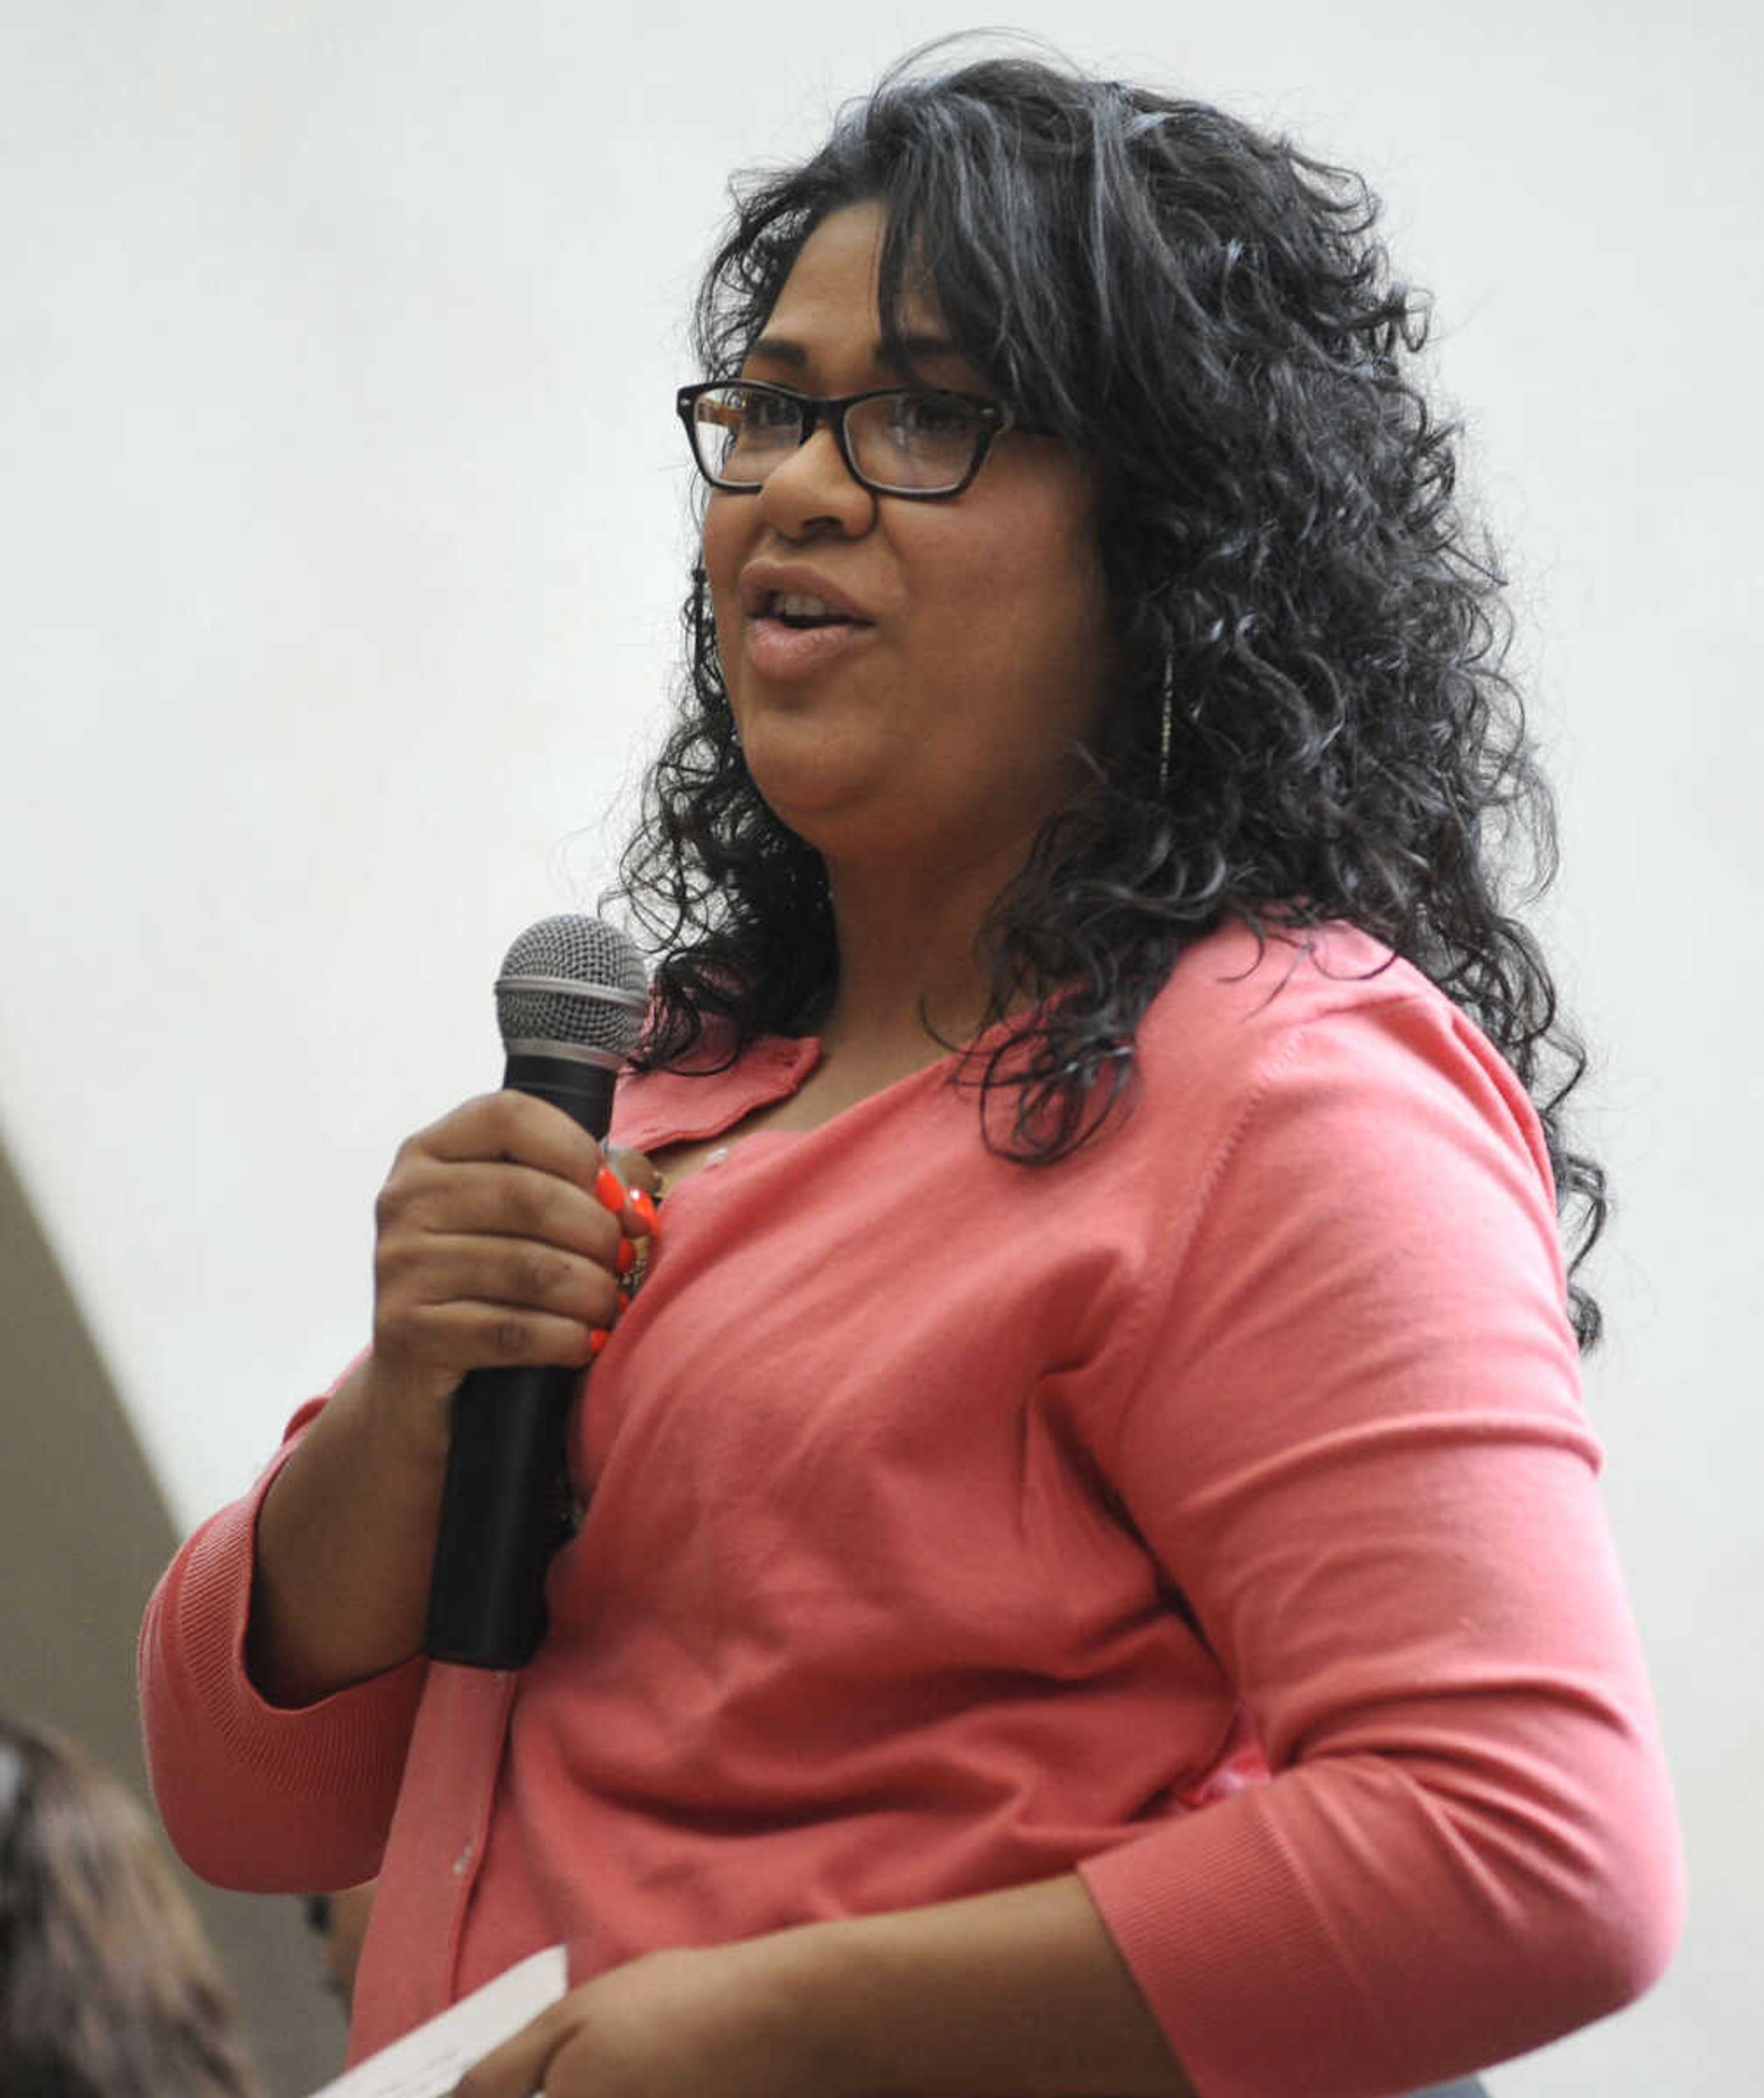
(107, 1988)
(1205, 313)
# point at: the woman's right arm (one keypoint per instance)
(270, 1651)
(493, 1246)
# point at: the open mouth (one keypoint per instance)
(798, 609)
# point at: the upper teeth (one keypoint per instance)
(799, 605)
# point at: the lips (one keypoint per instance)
(783, 654)
(797, 596)
(799, 622)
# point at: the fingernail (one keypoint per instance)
(609, 1190)
(646, 1212)
(626, 1259)
(598, 1337)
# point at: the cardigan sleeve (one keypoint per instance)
(255, 1796)
(1356, 1444)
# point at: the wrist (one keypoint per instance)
(836, 2006)
(1020, 1989)
(406, 1422)
(799, 1990)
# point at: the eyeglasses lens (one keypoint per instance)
(921, 443)
(743, 432)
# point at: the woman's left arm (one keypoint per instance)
(1357, 1448)
(1019, 1991)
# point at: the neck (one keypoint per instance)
(912, 979)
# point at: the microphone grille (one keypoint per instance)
(574, 980)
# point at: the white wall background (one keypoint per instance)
(341, 532)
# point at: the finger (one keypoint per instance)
(474, 1199)
(457, 1338)
(634, 1167)
(422, 1273)
(516, 1127)
(517, 2067)
(635, 1207)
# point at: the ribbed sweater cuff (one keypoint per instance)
(1215, 1924)
(216, 1747)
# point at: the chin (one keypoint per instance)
(801, 770)
(821, 820)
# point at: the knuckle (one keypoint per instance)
(496, 1118)
(507, 1115)
(397, 1299)
(394, 1341)
(473, 1110)
(509, 1336)
(516, 1205)
(540, 1274)
(398, 1259)
(527, 1205)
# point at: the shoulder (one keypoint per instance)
(1325, 1036)
(1237, 1002)
(1237, 986)
(1347, 1192)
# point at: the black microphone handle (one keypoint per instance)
(505, 1505)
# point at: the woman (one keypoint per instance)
(1091, 1580)
(108, 1987)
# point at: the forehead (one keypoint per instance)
(828, 303)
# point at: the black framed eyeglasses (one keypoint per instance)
(921, 442)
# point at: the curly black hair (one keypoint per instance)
(1310, 718)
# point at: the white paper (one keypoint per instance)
(428, 2062)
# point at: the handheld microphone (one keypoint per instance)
(570, 1002)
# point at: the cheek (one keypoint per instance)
(1051, 585)
(1035, 546)
(721, 546)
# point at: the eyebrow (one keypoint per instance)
(781, 350)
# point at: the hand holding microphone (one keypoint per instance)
(496, 1268)
(494, 1251)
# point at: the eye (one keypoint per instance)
(742, 431)
(757, 409)
(932, 419)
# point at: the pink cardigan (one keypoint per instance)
(1213, 1513)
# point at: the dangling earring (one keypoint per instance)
(1163, 727)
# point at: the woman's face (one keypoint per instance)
(931, 729)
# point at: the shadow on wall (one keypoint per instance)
(84, 1534)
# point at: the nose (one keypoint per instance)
(813, 492)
